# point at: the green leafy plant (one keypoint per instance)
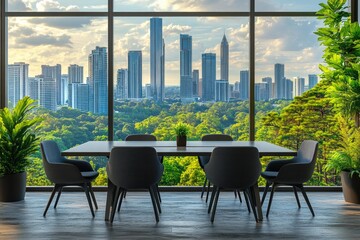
(341, 39)
(347, 158)
(17, 137)
(181, 129)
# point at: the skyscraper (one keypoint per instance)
(186, 84)
(244, 85)
(268, 80)
(298, 86)
(279, 72)
(221, 91)
(43, 90)
(122, 84)
(17, 81)
(80, 96)
(75, 75)
(208, 62)
(224, 59)
(54, 72)
(289, 87)
(134, 74)
(195, 79)
(313, 80)
(64, 89)
(98, 95)
(157, 59)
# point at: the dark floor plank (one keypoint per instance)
(184, 215)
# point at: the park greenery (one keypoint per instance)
(287, 123)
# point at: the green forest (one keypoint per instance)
(286, 123)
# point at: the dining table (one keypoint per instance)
(169, 148)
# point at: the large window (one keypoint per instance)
(101, 70)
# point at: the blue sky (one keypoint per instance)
(68, 41)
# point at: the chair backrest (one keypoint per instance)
(51, 152)
(233, 167)
(140, 137)
(134, 167)
(216, 137)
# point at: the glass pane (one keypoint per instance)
(180, 6)
(287, 5)
(57, 5)
(64, 68)
(198, 83)
(291, 105)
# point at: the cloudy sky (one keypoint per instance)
(68, 41)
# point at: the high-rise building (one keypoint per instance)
(279, 73)
(186, 83)
(269, 82)
(80, 96)
(148, 91)
(122, 84)
(289, 87)
(43, 90)
(208, 63)
(157, 60)
(224, 59)
(134, 74)
(221, 91)
(64, 89)
(313, 80)
(298, 86)
(18, 74)
(98, 82)
(54, 72)
(262, 91)
(75, 75)
(244, 85)
(195, 79)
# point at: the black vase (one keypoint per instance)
(181, 141)
(12, 187)
(351, 187)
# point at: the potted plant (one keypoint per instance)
(341, 39)
(346, 161)
(17, 142)
(181, 131)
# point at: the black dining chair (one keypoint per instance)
(64, 172)
(294, 172)
(203, 160)
(133, 168)
(235, 168)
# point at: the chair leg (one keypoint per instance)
(58, 197)
(208, 190)
(270, 200)
(156, 195)
(238, 193)
(247, 201)
(121, 198)
(297, 197)
(158, 192)
(152, 195)
(215, 204)
(203, 188)
(93, 196)
(87, 192)
(307, 200)
(252, 203)
(114, 203)
(212, 199)
(265, 192)
(56, 187)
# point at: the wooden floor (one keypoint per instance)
(184, 216)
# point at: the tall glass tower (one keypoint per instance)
(54, 72)
(208, 76)
(18, 74)
(224, 59)
(280, 81)
(186, 84)
(157, 60)
(98, 96)
(134, 74)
